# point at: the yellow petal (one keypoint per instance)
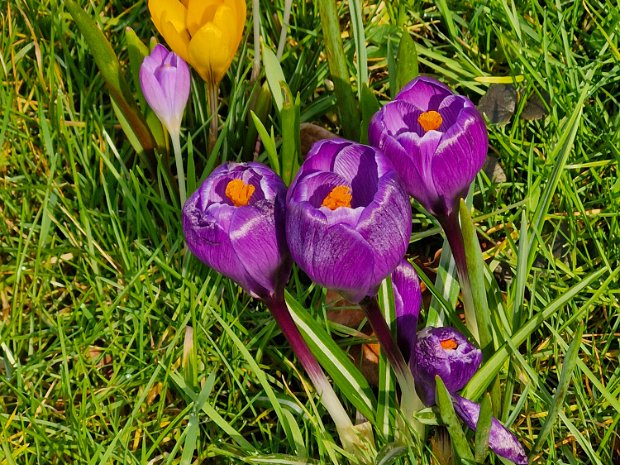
(240, 16)
(177, 39)
(199, 13)
(209, 53)
(175, 10)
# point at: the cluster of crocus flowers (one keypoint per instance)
(346, 221)
(205, 33)
(234, 223)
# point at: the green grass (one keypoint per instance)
(96, 364)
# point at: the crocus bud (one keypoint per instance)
(407, 300)
(206, 33)
(501, 441)
(234, 223)
(444, 352)
(348, 218)
(165, 82)
(436, 139)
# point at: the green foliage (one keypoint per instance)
(97, 291)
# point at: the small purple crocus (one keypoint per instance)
(407, 300)
(165, 82)
(348, 219)
(234, 223)
(436, 139)
(446, 353)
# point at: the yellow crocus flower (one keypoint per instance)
(205, 33)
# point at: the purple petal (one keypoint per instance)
(501, 441)
(407, 297)
(386, 226)
(336, 257)
(451, 108)
(180, 94)
(153, 93)
(253, 237)
(327, 150)
(156, 57)
(207, 238)
(418, 166)
(424, 93)
(393, 119)
(460, 155)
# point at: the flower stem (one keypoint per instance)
(410, 401)
(213, 90)
(452, 228)
(256, 31)
(350, 440)
(178, 159)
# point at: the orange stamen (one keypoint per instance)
(239, 192)
(339, 196)
(430, 120)
(449, 344)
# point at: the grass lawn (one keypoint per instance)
(119, 347)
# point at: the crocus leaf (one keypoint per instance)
(407, 61)
(483, 428)
(291, 135)
(110, 69)
(359, 36)
(334, 361)
(449, 418)
(260, 106)
(275, 76)
(338, 69)
(268, 142)
(475, 269)
(570, 361)
(487, 372)
(136, 50)
(369, 105)
(387, 386)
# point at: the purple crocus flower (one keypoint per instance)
(437, 141)
(348, 219)
(407, 300)
(446, 353)
(165, 83)
(234, 223)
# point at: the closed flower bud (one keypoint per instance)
(205, 33)
(348, 218)
(165, 83)
(501, 441)
(436, 139)
(407, 300)
(234, 223)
